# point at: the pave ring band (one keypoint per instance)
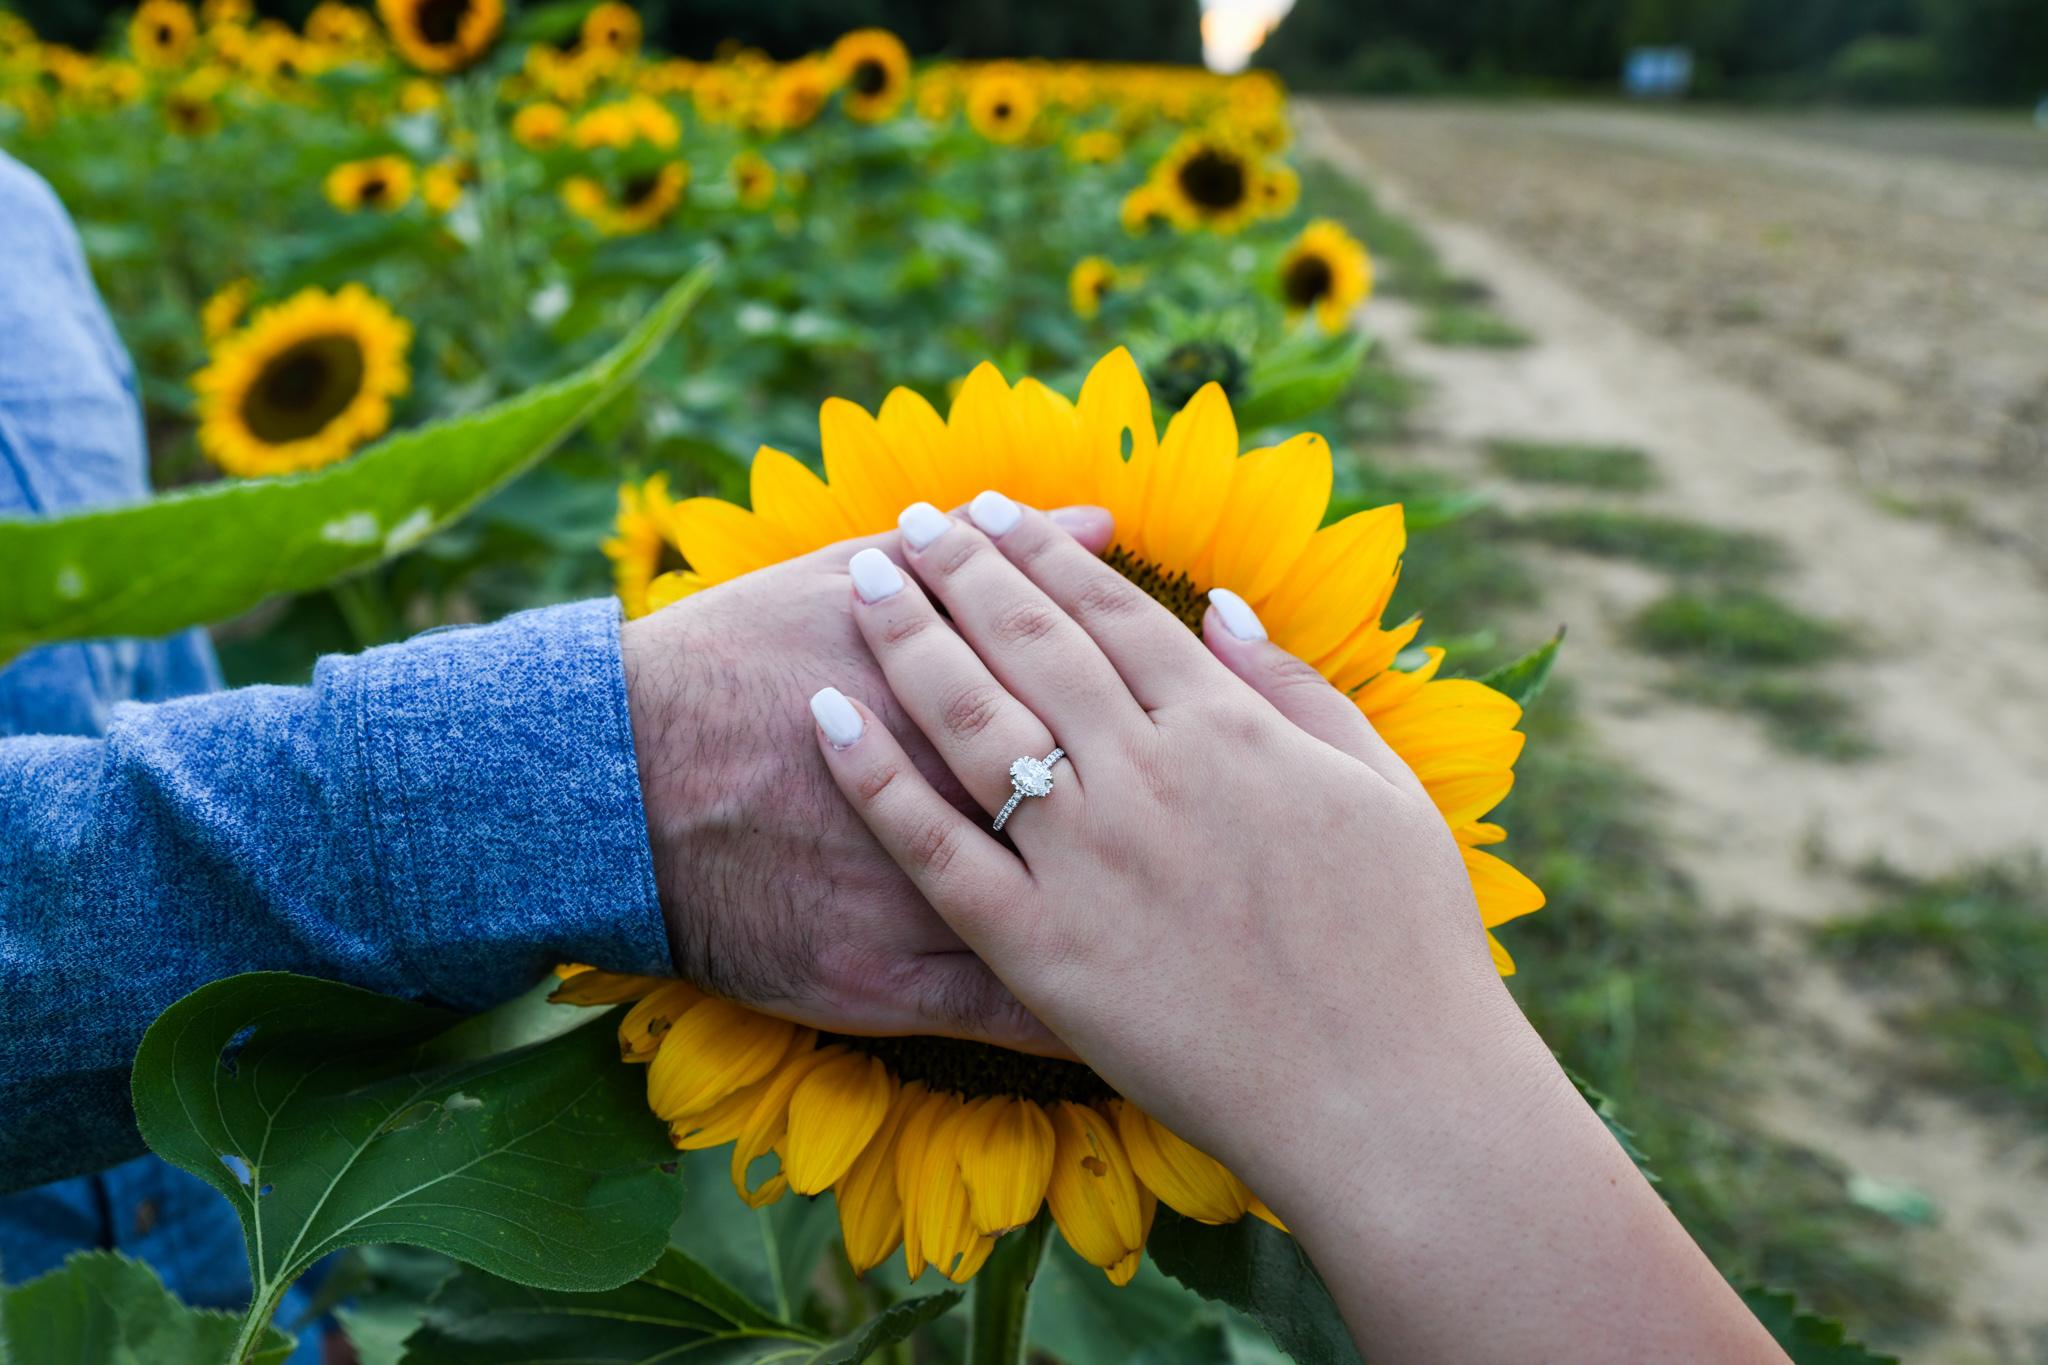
(1028, 777)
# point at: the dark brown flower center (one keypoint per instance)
(1000, 110)
(870, 77)
(1308, 280)
(1173, 590)
(669, 559)
(303, 388)
(440, 21)
(978, 1069)
(638, 189)
(1213, 179)
(375, 189)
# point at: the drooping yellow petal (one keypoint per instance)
(832, 1117)
(769, 1123)
(1005, 1162)
(720, 1123)
(867, 476)
(1502, 963)
(722, 541)
(951, 1242)
(647, 1023)
(796, 502)
(911, 1145)
(594, 986)
(714, 1049)
(1502, 891)
(1188, 490)
(1277, 499)
(1093, 1192)
(870, 1207)
(1122, 1272)
(1185, 1178)
(1266, 1215)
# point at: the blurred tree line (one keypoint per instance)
(1117, 30)
(1979, 51)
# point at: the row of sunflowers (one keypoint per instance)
(313, 235)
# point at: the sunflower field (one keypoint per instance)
(441, 312)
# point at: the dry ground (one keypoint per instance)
(1833, 333)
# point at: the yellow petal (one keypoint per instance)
(867, 477)
(917, 435)
(1266, 1215)
(1093, 1191)
(1188, 490)
(1114, 405)
(672, 587)
(981, 430)
(1277, 499)
(911, 1146)
(714, 1049)
(722, 541)
(1333, 587)
(1501, 889)
(1465, 794)
(1005, 1162)
(1502, 963)
(832, 1117)
(870, 1207)
(1185, 1178)
(796, 502)
(647, 1023)
(720, 1123)
(944, 1220)
(769, 1123)
(592, 986)
(1393, 687)
(1054, 473)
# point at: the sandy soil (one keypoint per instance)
(1624, 242)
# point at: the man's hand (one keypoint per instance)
(775, 893)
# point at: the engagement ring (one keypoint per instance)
(1028, 777)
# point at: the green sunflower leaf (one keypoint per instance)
(1806, 1337)
(1295, 382)
(677, 1310)
(330, 1117)
(103, 1307)
(208, 553)
(1264, 1274)
(1524, 680)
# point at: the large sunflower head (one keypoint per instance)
(441, 36)
(1002, 103)
(642, 199)
(163, 33)
(1325, 271)
(378, 184)
(938, 1145)
(306, 382)
(873, 68)
(1209, 181)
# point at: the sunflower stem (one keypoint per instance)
(1001, 1303)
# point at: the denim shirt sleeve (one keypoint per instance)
(443, 818)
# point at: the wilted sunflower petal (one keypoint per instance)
(832, 1116)
(714, 1049)
(1006, 1154)
(1185, 1178)
(1093, 1191)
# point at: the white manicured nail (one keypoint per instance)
(993, 512)
(875, 575)
(922, 524)
(1237, 614)
(836, 717)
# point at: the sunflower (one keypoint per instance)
(647, 566)
(539, 126)
(342, 27)
(380, 183)
(1279, 191)
(873, 67)
(645, 198)
(1145, 210)
(163, 33)
(613, 29)
(623, 123)
(1002, 104)
(1097, 147)
(420, 96)
(1209, 181)
(443, 184)
(794, 95)
(753, 179)
(940, 1145)
(191, 107)
(1325, 270)
(1093, 279)
(223, 310)
(440, 36)
(306, 382)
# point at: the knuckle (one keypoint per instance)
(932, 846)
(875, 781)
(1031, 541)
(971, 710)
(1289, 674)
(955, 553)
(903, 629)
(1022, 623)
(1106, 598)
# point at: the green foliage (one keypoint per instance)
(191, 557)
(1667, 543)
(1295, 381)
(103, 1308)
(1808, 1339)
(331, 1116)
(1967, 958)
(1617, 469)
(1524, 679)
(1467, 325)
(1736, 626)
(1881, 69)
(1261, 1272)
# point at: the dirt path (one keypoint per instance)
(1956, 636)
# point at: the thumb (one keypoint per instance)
(1235, 635)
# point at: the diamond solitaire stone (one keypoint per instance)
(1031, 776)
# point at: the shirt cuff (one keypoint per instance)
(504, 811)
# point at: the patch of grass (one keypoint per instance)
(1661, 542)
(1736, 626)
(1620, 469)
(1467, 325)
(1800, 715)
(1377, 409)
(1971, 952)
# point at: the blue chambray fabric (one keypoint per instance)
(442, 818)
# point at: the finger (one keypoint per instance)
(957, 995)
(1234, 633)
(968, 877)
(1028, 641)
(1152, 650)
(978, 728)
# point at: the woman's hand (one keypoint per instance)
(1239, 906)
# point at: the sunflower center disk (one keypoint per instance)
(1174, 591)
(976, 1070)
(869, 78)
(1307, 281)
(1213, 180)
(304, 388)
(440, 21)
